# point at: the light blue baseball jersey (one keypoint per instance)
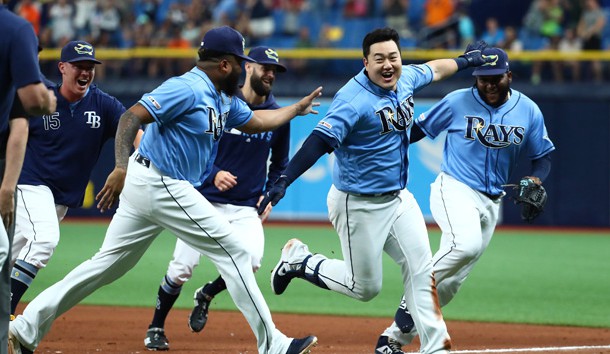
(190, 116)
(372, 127)
(484, 142)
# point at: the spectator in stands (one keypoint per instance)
(261, 23)
(590, 28)
(493, 34)
(466, 29)
(511, 40)
(440, 24)
(83, 15)
(30, 10)
(301, 65)
(396, 16)
(61, 25)
(571, 44)
(355, 8)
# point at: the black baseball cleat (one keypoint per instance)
(15, 347)
(302, 345)
(387, 345)
(156, 339)
(199, 316)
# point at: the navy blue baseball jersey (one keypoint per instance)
(63, 147)
(486, 140)
(191, 124)
(18, 60)
(371, 126)
(245, 156)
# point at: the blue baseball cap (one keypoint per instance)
(498, 66)
(225, 40)
(266, 56)
(78, 51)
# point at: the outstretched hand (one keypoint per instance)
(306, 104)
(474, 54)
(274, 194)
(109, 195)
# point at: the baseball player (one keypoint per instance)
(62, 149)
(234, 188)
(488, 127)
(19, 74)
(187, 115)
(368, 204)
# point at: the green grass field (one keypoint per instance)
(535, 276)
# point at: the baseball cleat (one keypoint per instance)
(290, 265)
(387, 345)
(302, 345)
(15, 347)
(199, 316)
(156, 339)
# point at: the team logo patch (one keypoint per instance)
(272, 54)
(84, 49)
(325, 124)
(154, 102)
(494, 59)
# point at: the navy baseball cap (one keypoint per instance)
(78, 51)
(266, 56)
(225, 40)
(498, 66)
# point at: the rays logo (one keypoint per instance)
(494, 59)
(84, 49)
(398, 120)
(215, 123)
(272, 54)
(494, 136)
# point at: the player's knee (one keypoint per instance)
(368, 292)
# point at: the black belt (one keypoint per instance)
(394, 193)
(493, 197)
(142, 160)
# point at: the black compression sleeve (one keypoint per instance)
(416, 134)
(541, 167)
(313, 148)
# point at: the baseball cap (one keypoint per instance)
(498, 66)
(266, 55)
(225, 40)
(78, 51)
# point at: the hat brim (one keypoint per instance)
(280, 68)
(488, 72)
(244, 57)
(84, 59)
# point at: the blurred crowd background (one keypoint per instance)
(517, 25)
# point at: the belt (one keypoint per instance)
(394, 193)
(493, 197)
(142, 160)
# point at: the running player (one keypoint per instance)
(187, 116)
(369, 206)
(61, 151)
(488, 127)
(234, 187)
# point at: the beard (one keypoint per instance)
(230, 85)
(259, 87)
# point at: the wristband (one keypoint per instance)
(462, 63)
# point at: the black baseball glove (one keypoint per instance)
(532, 197)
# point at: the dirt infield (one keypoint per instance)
(101, 329)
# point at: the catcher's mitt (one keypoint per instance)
(532, 196)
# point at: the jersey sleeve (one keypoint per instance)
(24, 57)
(417, 76)
(339, 120)
(168, 101)
(239, 114)
(17, 110)
(436, 119)
(280, 147)
(539, 143)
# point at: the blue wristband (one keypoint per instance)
(462, 63)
